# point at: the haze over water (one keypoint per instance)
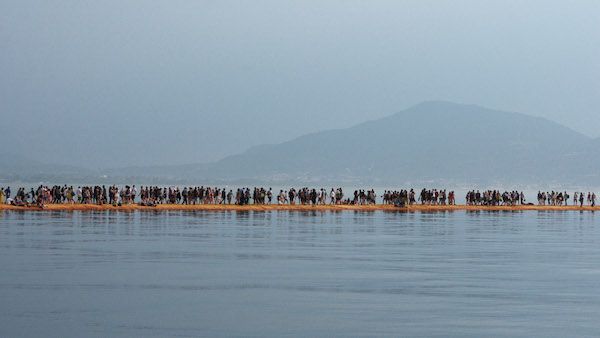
(157, 274)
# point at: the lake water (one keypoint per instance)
(188, 274)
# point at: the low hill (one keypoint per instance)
(430, 142)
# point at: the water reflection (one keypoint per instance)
(353, 273)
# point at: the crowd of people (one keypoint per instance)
(495, 198)
(591, 198)
(191, 195)
(68, 195)
(426, 197)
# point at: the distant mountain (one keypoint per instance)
(15, 163)
(430, 142)
(15, 167)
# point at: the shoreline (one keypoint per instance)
(287, 207)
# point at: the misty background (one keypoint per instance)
(122, 83)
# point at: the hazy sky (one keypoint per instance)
(153, 82)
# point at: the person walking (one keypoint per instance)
(7, 194)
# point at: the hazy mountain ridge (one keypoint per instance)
(18, 164)
(434, 141)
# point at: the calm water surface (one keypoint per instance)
(187, 274)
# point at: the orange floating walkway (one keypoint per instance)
(287, 207)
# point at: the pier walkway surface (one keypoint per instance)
(287, 207)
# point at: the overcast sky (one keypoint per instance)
(116, 83)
